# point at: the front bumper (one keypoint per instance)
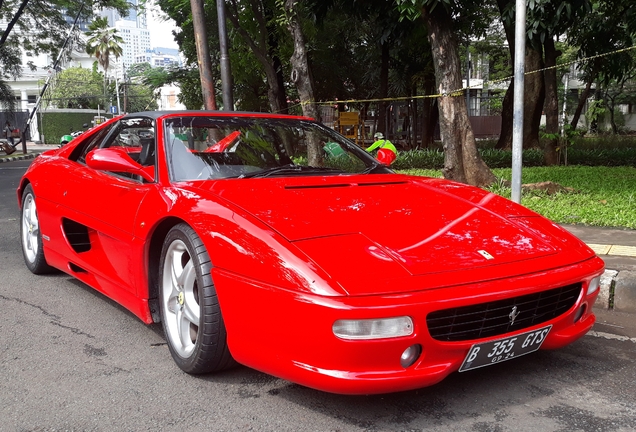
(289, 334)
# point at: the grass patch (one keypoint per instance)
(604, 196)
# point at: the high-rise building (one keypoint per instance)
(134, 30)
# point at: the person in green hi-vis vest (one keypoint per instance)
(387, 152)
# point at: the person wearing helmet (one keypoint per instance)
(65, 139)
(387, 152)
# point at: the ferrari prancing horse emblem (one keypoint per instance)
(485, 254)
(513, 315)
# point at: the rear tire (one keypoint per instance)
(190, 312)
(30, 235)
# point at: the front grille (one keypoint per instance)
(493, 318)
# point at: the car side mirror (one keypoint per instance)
(116, 159)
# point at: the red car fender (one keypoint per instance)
(235, 240)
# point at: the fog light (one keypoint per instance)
(579, 313)
(594, 284)
(410, 355)
(373, 328)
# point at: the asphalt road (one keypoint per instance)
(73, 360)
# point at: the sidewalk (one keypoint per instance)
(32, 151)
(617, 247)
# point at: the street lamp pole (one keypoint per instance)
(226, 71)
(517, 115)
(117, 92)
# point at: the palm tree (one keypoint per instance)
(103, 42)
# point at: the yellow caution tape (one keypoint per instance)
(460, 92)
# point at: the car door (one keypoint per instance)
(101, 208)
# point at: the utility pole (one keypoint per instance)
(203, 55)
(124, 87)
(517, 115)
(226, 71)
(53, 71)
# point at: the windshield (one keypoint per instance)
(202, 148)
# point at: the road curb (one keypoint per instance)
(625, 291)
(17, 158)
(618, 291)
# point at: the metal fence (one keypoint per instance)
(17, 119)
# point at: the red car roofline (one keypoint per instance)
(172, 114)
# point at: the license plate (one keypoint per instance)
(492, 352)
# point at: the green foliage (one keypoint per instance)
(549, 18)
(39, 27)
(437, 173)
(138, 97)
(145, 82)
(603, 141)
(138, 70)
(605, 28)
(601, 196)
(54, 125)
(503, 158)
(103, 42)
(434, 159)
(6, 95)
(428, 159)
(76, 88)
(612, 157)
(596, 111)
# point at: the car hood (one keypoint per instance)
(359, 227)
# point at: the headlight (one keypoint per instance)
(373, 328)
(594, 284)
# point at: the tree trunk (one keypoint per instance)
(534, 96)
(203, 55)
(507, 107)
(272, 42)
(534, 93)
(461, 159)
(302, 78)
(534, 87)
(278, 91)
(551, 103)
(415, 116)
(14, 19)
(505, 136)
(430, 113)
(384, 89)
(610, 108)
(260, 47)
(583, 99)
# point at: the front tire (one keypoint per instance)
(190, 312)
(30, 235)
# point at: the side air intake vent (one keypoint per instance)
(77, 235)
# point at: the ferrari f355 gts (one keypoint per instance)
(274, 242)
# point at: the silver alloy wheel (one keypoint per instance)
(30, 229)
(180, 299)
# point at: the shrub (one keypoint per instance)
(434, 159)
(427, 159)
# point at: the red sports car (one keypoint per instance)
(274, 242)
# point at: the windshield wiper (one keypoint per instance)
(290, 169)
(381, 168)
